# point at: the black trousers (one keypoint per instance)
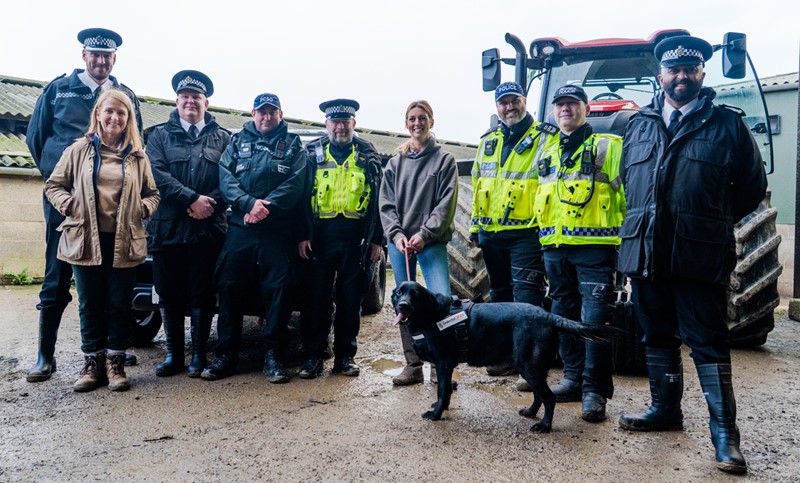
(336, 274)
(252, 269)
(57, 274)
(582, 286)
(671, 310)
(184, 275)
(515, 266)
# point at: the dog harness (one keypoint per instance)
(454, 325)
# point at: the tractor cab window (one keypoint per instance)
(746, 95)
(616, 88)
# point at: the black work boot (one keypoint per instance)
(665, 369)
(567, 390)
(311, 368)
(201, 328)
(506, 369)
(593, 408)
(716, 381)
(224, 366)
(273, 368)
(346, 366)
(49, 320)
(173, 328)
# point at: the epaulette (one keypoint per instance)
(736, 110)
(548, 128)
(490, 131)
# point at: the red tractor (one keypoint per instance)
(619, 75)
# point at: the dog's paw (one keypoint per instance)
(432, 415)
(527, 413)
(540, 428)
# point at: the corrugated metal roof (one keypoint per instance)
(13, 151)
(18, 99)
(777, 80)
(18, 96)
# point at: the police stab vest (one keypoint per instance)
(503, 195)
(340, 189)
(580, 200)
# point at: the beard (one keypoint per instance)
(690, 92)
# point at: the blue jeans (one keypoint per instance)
(104, 301)
(581, 286)
(435, 269)
(434, 264)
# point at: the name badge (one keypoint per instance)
(284, 169)
(452, 320)
(242, 167)
(418, 337)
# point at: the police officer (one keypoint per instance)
(345, 237)
(504, 183)
(187, 230)
(61, 115)
(691, 170)
(263, 178)
(580, 205)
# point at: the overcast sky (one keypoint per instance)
(382, 53)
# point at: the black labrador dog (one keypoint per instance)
(484, 335)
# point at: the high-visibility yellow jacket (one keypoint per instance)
(503, 193)
(580, 201)
(340, 189)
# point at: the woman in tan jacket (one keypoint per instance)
(104, 186)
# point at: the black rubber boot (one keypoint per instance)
(273, 367)
(173, 328)
(201, 328)
(665, 369)
(716, 381)
(49, 320)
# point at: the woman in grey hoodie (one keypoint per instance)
(418, 203)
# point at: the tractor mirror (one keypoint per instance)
(490, 64)
(734, 55)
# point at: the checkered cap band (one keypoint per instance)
(681, 51)
(189, 81)
(99, 42)
(340, 109)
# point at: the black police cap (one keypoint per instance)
(99, 40)
(683, 50)
(339, 108)
(575, 92)
(194, 80)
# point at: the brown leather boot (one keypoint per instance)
(93, 374)
(410, 375)
(115, 370)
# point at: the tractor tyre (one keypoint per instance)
(753, 291)
(468, 276)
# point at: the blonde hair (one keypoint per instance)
(425, 106)
(131, 135)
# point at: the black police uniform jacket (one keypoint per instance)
(271, 167)
(684, 195)
(62, 114)
(184, 169)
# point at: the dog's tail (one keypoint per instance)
(596, 333)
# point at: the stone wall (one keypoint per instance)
(21, 225)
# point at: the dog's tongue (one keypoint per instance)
(398, 319)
